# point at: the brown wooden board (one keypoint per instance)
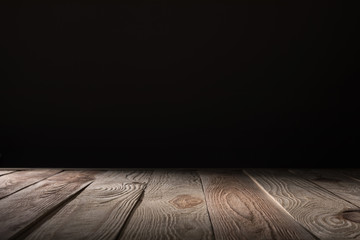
(353, 173)
(16, 181)
(173, 207)
(317, 209)
(99, 212)
(22, 209)
(128, 175)
(239, 209)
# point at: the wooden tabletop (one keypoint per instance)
(179, 204)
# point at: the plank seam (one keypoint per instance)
(276, 202)
(47, 215)
(354, 178)
(127, 220)
(206, 204)
(30, 184)
(4, 174)
(326, 190)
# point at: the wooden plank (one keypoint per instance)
(99, 212)
(239, 209)
(3, 172)
(16, 181)
(173, 207)
(318, 210)
(353, 173)
(22, 209)
(336, 182)
(132, 175)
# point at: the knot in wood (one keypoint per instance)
(185, 201)
(351, 215)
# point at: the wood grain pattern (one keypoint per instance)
(239, 209)
(336, 182)
(311, 205)
(250, 204)
(353, 173)
(99, 212)
(24, 208)
(3, 172)
(173, 207)
(16, 181)
(128, 175)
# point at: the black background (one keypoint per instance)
(178, 84)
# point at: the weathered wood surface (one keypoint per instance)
(317, 209)
(180, 204)
(173, 207)
(239, 209)
(99, 212)
(353, 173)
(336, 182)
(129, 175)
(16, 181)
(3, 172)
(22, 209)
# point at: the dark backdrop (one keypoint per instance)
(178, 84)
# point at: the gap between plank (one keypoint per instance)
(206, 203)
(126, 223)
(354, 178)
(276, 202)
(138, 202)
(50, 213)
(29, 184)
(8, 173)
(326, 190)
